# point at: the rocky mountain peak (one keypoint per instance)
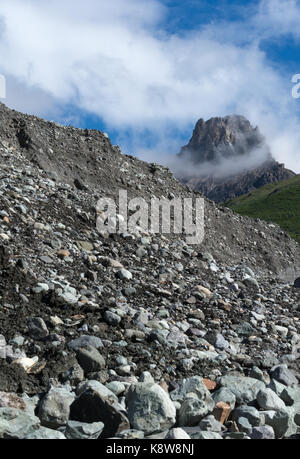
(224, 137)
(231, 157)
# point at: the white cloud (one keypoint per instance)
(277, 17)
(114, 59)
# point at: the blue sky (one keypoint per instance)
(145, 71)
(190, 14)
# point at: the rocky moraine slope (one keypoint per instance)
(94, 327)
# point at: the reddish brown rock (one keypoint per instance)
(9, 400)
(63, 253)
(225, 306)
(210, 385)
(221, 412)
(164, 386)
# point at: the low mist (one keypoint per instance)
(222, 168)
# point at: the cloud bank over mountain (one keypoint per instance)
(116, 60)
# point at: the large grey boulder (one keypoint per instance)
(91, 407)
(193, 409)
(84, 341)
(268, 400)
(210, 424)
(193, 385)
(43, 433)
(248, 412)
(244, 425)
(196, 401)
(285, 376)
(83, 431)
(276, 387)
(262, 433)
(291, 396)
(244, 388)
(102, 390)
(54, 409)
(16, 424)
(282, 422)
(150, 408)
(90, 359)
(225, 395)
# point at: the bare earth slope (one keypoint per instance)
(88, 158)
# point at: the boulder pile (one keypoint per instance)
(135, 334)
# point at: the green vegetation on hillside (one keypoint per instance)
(276, 202)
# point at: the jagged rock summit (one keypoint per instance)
(226, 137)
(227, 157)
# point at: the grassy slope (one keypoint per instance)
(279, 203)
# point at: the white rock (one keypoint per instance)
(41, 288)
(283, 331)
(26, 362)
(205, 291)
(124, 274)
(177, 434)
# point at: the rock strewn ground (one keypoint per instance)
(78, 333)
